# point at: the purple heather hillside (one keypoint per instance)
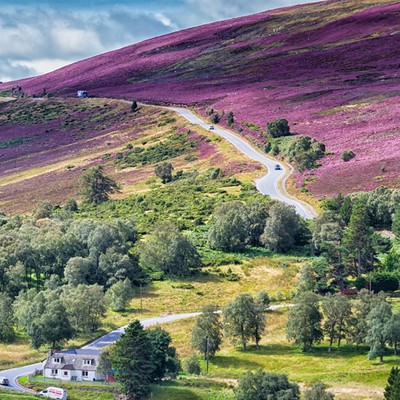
(331, 68)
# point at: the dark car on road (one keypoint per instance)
(277, 167)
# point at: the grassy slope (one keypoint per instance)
(330, 68)
(46, 145)
(348, 372)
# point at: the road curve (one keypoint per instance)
(109, 338)
(270, 183)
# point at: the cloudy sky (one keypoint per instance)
(40, 36)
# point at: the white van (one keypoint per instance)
(54, 393)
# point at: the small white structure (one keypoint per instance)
(73, 365)
(82, 94)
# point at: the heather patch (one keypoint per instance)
(330, 69)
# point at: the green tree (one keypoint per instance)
(263, 300)
(243, 320)
(255, 215)
(229, 227)
(392, 389)
(283, 228)
(304, 322)
(318, 392)
(105, 365)
(358, 235)
(119, 294)
(132, 358)
(377, 334)
(78, 270)
(165, 360)
(215, 118)
(168, 251)
(262, 385)
(55, 325)
(362, 306)
(96, 187)
(7, 333)
(393, 331)
(207, 331)
(134, 105)
(164, 171)
(278, 127)
(396, 223)
(337, 311)
(85, 306)
(230, 118)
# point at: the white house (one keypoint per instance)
(73, 365)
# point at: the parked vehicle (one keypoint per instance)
(54, 393)
(4, 381)
(277, 167)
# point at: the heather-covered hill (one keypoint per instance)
(331, 68)
(46, 145)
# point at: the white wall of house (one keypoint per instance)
(72, 375)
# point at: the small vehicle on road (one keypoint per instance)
(54, 393)
(211, 127)
(4, 381)
(277, 167)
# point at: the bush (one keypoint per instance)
(347, 155)
(215, 119)
(278, 128)
(192, 366)
(384, 282)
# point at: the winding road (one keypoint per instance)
(271, 184)
(109, 338)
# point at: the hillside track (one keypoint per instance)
(271, 184)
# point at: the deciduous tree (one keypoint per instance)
(304, 323)
(207, 331)
(168, 251)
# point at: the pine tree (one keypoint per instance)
(392, 390)
(358, 235)
(132, 358)
(97, 187)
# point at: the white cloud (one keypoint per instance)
(37, 40)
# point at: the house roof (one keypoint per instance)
(74, 360)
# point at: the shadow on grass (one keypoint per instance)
(168, 392)
(235, 362)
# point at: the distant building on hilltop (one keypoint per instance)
(82, 94)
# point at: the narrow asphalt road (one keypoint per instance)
(109, 338)
(270, 183)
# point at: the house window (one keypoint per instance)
(65, 373)
(85, 374)
(87, 362)
(57, 360)
(54, 372)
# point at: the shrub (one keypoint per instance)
(384, 282)
(277, 128)
(215, 119)
(192, 366)
(347, 155)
